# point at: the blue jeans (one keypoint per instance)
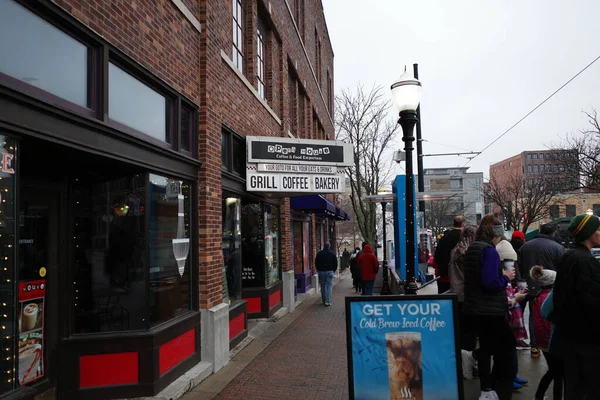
(326, 283)
(368, 288)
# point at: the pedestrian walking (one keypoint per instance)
(544, 278)
(326, 265)
(345, 259)
(577, 305)
(485, 302)
(368, 265)
(517, 240)
(443, 250)
(541, 250)
(354, 270)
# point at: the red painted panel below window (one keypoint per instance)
(108, 369)
(254, 304)
(175, 351)
(274, 299)
(236, 325)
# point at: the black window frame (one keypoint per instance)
(100, 54)
(570, 210)
(238, 44)
(230, 137)
(262, 36)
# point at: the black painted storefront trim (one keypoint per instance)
(264, 294)
(240, 307)
(21, 393)
(146, 343)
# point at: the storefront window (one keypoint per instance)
(301, 245)
(271, 232)
(318, 235)
(232, 249)
(116, 253)
(253, 270)
(110, 260)
(7, 264)
(297, 247)
(169, 241)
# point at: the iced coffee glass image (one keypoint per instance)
(30, 316)
(404, 365)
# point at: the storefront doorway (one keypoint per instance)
(39, 286)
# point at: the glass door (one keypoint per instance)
(37, 309)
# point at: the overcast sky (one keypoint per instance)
(483, 64)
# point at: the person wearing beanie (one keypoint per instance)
(545, 278)
(576, 298)
(541, 250)
(517, 240)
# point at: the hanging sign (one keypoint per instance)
(403, 347)
(295, 183)
(32, 295)
(265, 149)
(308, 169)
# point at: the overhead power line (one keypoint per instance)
(532, 111)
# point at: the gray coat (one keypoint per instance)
(544, 251)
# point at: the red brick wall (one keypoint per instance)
(158, 36)
(152, 32)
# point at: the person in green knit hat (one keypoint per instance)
(576, 300)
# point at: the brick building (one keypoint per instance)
(536, 167)
(533, 164)
(138, 252)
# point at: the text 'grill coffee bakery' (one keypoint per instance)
(288, 166)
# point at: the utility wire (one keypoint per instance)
(536, 107)
(445, 145)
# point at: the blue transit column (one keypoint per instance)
(406, 92)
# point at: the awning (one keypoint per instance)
(319, 205)
(315, 203)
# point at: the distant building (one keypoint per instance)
(468, 186)
(532, 164)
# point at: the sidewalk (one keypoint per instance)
(303, 356)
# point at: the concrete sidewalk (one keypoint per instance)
(302, 355)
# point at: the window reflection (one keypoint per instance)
(37, 53)
(136, 105)
(271, 232)
(232, 249)
(253, 266)
(109, 251)
(169, 241)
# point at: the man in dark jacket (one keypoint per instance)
(326, 265)
(442, 252)
(576, 309)
(543, 250)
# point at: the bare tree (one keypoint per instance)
(362, 119)
(583, 153)
(523, 200)
(348, 233)
(439, 214)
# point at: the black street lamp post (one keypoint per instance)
(407, 95)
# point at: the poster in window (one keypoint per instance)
(32, 295)
(403, 347)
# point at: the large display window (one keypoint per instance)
(261, 264)
(132, 252)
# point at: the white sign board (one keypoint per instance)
(294, 183)
(277, 150)
(307, 169)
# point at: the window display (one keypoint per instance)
(271, 232)
(132, 252)
(232, 249)
(261, 265)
